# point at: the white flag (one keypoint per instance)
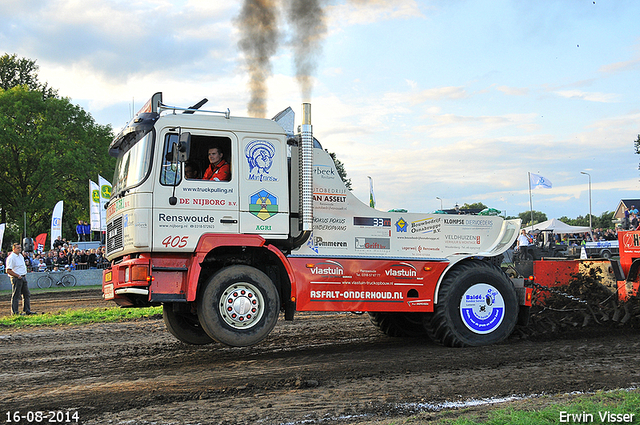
(105, 195)
(372, 197)
(2, 226)
(56, 222)
(538, 181)
(94, 205)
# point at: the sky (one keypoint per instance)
(441, 102)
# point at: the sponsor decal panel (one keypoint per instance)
(260, 155)
(329, 224)
(371, 222)
(327, 268)
(401, 225)
(186, 221)
(263, 204)
(631, 240)
(316, 242)
(476, 223)
(356, 295)
(325, 198)
(325, 172)
(462, 241)
(428, 225)
(402, 270)
(365, 243)
(482, 308)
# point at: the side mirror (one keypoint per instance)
(184, 146)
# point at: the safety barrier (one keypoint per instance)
(83, 278)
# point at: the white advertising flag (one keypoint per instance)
(372, 197)
(94, 205)
(2, 226)
(105, 195)
(56, 222)
(538, 181)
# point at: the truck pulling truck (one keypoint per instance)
(283, 234)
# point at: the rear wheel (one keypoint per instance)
(477, 305)
(239, 306)
(44, 282)
(399, 324)
(184, 326)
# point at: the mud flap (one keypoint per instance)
(523, 316)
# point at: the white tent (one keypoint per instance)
(557, 227)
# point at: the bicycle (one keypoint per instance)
(67, 279)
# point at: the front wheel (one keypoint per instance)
(239, 306)
(44, 282)
(68, 280)
(184, 326)
(477, 305)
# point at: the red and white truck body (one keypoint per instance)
(193, 245)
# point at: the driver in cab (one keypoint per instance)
(218, 169)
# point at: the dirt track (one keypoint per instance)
(329, 368)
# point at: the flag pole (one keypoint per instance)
(530, 198)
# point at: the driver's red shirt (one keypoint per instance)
(219, 172)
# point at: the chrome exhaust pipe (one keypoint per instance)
(306, 169)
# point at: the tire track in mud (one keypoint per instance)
(335, 367)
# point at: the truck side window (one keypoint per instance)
(220, 148)
(170, 172)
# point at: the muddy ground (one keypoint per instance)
(321, 368)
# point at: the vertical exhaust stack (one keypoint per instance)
(306, 169)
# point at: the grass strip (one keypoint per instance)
(601, 407)
(80, 317)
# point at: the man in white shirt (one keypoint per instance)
(523, 240)
(17, 270)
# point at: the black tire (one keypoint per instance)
(477, 305)
(606, 254)
(68, 280)
(399, 325)
(239, 306)
(184, 326)
(44, 282)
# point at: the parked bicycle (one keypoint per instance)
(59, 278)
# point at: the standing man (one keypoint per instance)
(80, 231)
(17, 270)
(87, 231)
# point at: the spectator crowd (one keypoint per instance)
(64, 256)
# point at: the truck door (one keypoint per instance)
(202, 205)
(264, 186)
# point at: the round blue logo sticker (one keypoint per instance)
(482, 308)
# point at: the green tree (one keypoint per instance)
(51, 148)
(538, 217)
(474, 206)
(16, 72)
(341, 170)
(605, 221)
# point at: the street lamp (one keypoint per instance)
(590, 228)
(441, 209)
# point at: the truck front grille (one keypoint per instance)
(114, 236)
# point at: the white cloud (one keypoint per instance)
(590, 96)
(362, 12)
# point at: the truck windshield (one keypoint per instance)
(133, 165)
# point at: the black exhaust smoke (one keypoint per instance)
(258, 24)
(308, 21)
